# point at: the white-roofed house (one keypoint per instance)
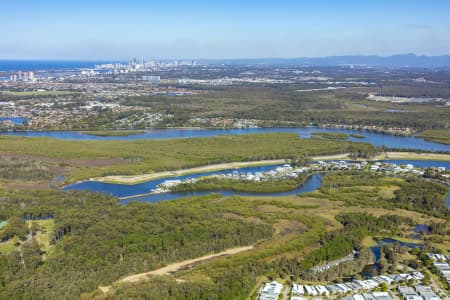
(270, 291)
(322, 290)
(297, 289)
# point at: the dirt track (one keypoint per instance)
(172, 268)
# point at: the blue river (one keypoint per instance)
(387, 241)
(123, 190)
(15, 120)
(375, 139)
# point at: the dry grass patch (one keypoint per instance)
(388, 192)
(26, 185)
(44, 234)
(368, 241)
(289, 227)
(268, 208)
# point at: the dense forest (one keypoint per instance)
(236, 279)
(96, 240)
(92, 240)
(376, 190)
(281, 105)
(102, 158)
(424, 196)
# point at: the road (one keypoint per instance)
(172, 268)
(286, 290)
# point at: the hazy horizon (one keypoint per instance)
(127, 59)
(103, 30)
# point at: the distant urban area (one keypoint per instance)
(147, 94)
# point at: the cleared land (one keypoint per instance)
(172, 268)
(45, 230)
(331, 157)
(414, 156)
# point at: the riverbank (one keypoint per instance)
(135, 179)
(437, 136)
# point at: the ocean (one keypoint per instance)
(36, 65)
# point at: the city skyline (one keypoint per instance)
(101, 30)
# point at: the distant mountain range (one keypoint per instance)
(394, 61)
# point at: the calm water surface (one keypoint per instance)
(372, 138)
(387, 241)
(15, 120)
(123, 190)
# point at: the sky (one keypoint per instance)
(105, 30)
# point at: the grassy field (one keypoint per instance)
(368, 241)
(438, 136)
(44, 234)
(441, 242)
(8, 246)
(86, 159)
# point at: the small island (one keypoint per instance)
(357, 136)
(336, 136)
